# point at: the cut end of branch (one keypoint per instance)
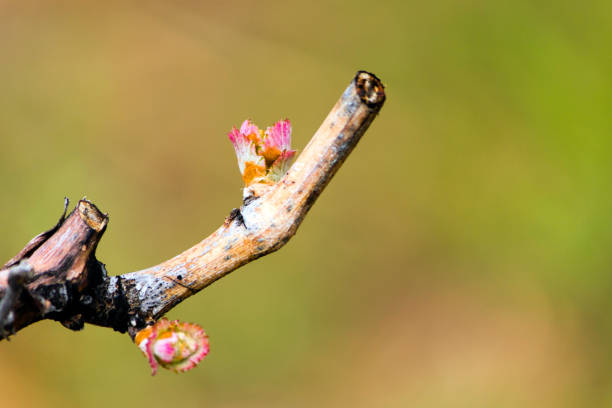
(92, 215)
(370, 89)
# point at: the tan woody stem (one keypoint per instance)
(269, 221)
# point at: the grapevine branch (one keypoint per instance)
(57, 276)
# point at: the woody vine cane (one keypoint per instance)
(57, 276)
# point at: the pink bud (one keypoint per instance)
(263, 157)
(173, 345)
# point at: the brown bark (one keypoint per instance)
(61, 262)
(68, 283)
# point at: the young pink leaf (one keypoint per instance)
(263, 157)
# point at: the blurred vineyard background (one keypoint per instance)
(460, 258)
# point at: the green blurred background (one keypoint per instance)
(460, 258)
